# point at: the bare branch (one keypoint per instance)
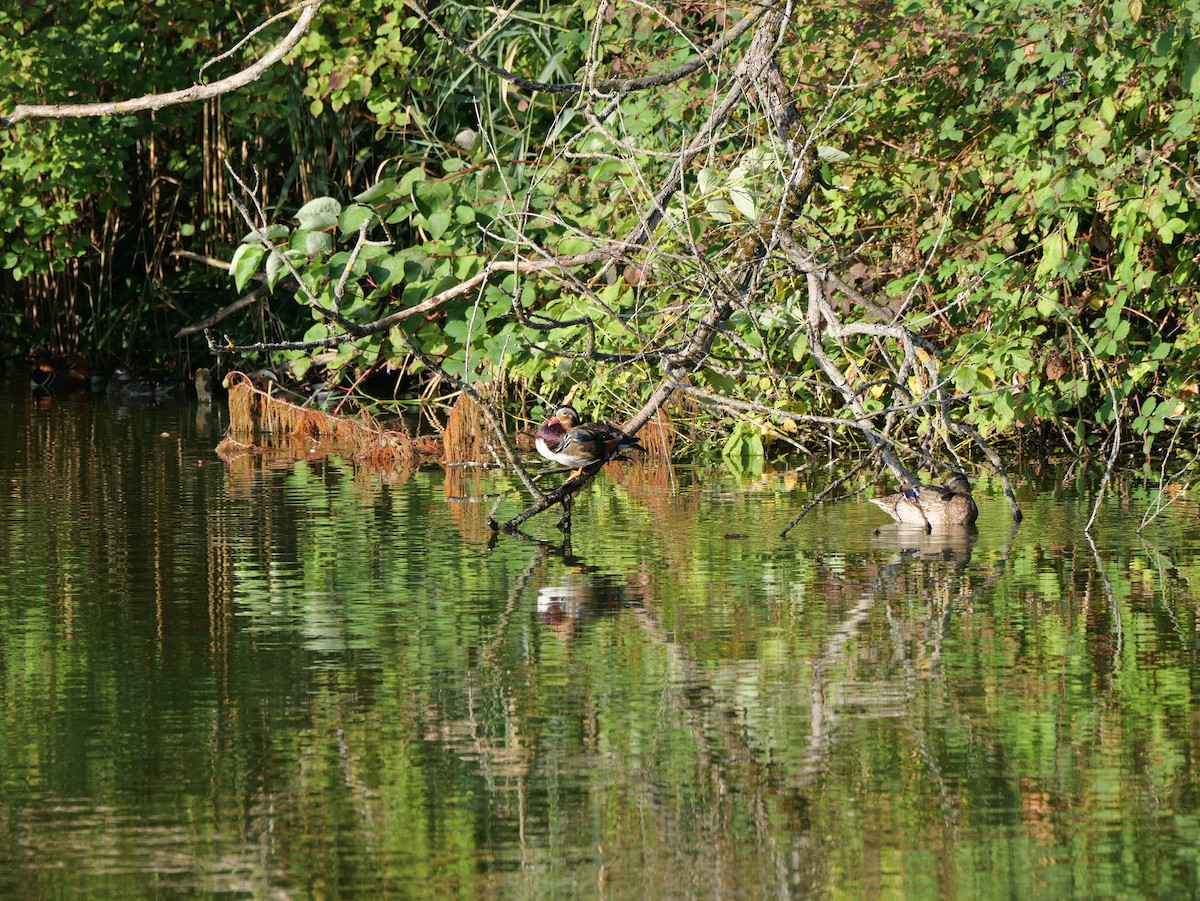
(308, 12)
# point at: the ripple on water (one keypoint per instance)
(306, 680)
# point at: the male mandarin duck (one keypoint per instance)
(564, 440)
(68, 372)
(933, 505)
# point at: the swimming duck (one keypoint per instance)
(933, 505)
(564, 440)
(125, 386)
(68, 372)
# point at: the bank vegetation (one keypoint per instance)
(899, 232)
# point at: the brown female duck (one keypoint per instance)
(933, 505)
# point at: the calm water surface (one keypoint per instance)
(306, 681)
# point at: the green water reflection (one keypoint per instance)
(303, 681)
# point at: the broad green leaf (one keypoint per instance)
(275, 270)
(410, 178)
(1108, 111)
(381, 190)
(1112, 316)
(718, 208)
(318, 213)
(245, 263)
(1171, 228)
(353, 217)
(744, 203)
(438, 221)
(317, 244)
(1190, 58)
(276, 233)
(431, 196)
(831, 154)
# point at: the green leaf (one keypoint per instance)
(966, 379)
(438, 221)
(744, 203)
(1112, 316)
(319, 213)
(1108, 111)
(276, 233)
(1047, 305)
(245, 263)
(1190, 57)
(1159, 349)
(317, 331)
(317, 244)
(745, 441)
(381, 190)
(352, 218)
(410, 178)
(831, 154)
(431, 196)
(707, 181)
(275, 270)
(1172, 227)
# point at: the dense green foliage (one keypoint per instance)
(93, 209)
(1031, 178)
(1015, 184)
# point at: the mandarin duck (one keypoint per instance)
(68, 372)
(933, 505)
(564, 440)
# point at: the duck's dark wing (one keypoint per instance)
(595, 431)
(601, 434)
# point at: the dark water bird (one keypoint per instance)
(127, 387)
(65, 372)
(266, 381)
(563, 439)
(933, 505)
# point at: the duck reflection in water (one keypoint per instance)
(950, 544)
(580, 599)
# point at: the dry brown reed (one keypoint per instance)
(260, 420)
(465, 439)
(658, 435)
